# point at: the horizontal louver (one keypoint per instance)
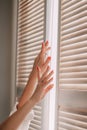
(73, 45)
(30, 35)
(31, 26)
(72, 119)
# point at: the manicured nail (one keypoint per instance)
(49, 58)
(37, 68)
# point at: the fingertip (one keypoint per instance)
(49, 58)
(52, 72)
(46, 44)
(48, 68)
(42, 45)
(50, 87)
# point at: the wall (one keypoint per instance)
(5, 57)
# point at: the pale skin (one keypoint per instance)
(41, 83)
(42, 62)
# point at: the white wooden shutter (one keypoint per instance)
(73, 65)
(31, 30)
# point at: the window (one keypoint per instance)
(64, 24)
(73, 65)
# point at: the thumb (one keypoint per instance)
(46, 90)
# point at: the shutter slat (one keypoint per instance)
(33, 4)
(75, 51)
(72, 118)
(74, 18)
(75, 34)
(69, 3)
(74, 29)
(29, 12)
(74, 75)
(28, 37)
(74, 23)
(74, 12)
(73, 6)
(78, 45)
(28, 26)
(37, 30)
(74, 69)
(30, 19)
(74, 40)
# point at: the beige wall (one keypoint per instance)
(5, 57)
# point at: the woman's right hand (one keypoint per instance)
(44, 84)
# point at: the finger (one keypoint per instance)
(46, 50)
(46, 63)
(46, 72)
(38, 72)
(46, 90)
(49, 75)
(49, 87)
(42, 50)
(46, 43)
(43, 47)
(46, 83)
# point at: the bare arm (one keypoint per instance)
(16, 119)
(44, 85)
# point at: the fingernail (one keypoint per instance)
(52, 71)
(46, 42)
(49, 58)
(37, 68)
(43, 45)
(48, 67)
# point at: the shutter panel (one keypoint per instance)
(30, 35)
(73, 45)
(72, 109)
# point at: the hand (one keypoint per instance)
(41, 59)
(44, 85)
(31, 85)
(42, 62)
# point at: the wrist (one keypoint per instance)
(33, 72)
(32, 99)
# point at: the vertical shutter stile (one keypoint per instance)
(73, 65)
(31, 33)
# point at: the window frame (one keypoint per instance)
(13, 52)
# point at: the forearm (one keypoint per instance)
(13, 122)
(29, 89)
